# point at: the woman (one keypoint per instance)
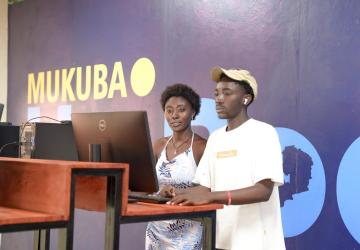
(177, 158)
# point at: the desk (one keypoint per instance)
(145, 212)
(40, 194)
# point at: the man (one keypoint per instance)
(241, 168)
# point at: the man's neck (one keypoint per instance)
(237, 121)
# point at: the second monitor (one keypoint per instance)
(124, 137)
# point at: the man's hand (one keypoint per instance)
(191, 198)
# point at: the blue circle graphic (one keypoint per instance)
(207, 118)
(303, 193)
(347, 185)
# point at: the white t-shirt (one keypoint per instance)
(238, 159)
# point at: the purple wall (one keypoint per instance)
(304, 54)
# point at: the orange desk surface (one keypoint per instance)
(145, 209)
(33, 190)
(11, 216)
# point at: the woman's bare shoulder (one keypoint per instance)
(159, 145)
(199, 143)
(198, 147)
(199, 140)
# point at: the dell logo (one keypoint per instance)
(102, 125)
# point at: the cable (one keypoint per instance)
(22, 128)
(8, 144)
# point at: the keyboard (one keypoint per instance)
(150, 198)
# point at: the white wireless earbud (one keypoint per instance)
(245, 101)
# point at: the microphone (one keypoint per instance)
(27, 141)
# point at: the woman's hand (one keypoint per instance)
(167, 191)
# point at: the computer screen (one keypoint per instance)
(124, 137)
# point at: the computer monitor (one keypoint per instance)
(1, 109)
(124, 137)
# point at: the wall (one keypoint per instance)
(3, 57)
(304, 54)
(3, 54)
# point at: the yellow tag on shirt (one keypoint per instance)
(226, 154)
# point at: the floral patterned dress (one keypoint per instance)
(178, 234)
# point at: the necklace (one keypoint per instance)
(178, 146)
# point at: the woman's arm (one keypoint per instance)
(199, 145)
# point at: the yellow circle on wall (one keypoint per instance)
(142, 76)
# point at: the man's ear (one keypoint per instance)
(247, 100)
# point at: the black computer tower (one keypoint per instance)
(9, 140)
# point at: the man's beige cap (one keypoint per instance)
(237, 75)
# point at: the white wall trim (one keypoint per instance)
(4, 56)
